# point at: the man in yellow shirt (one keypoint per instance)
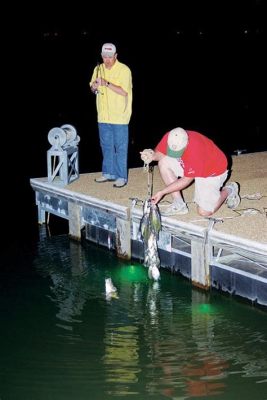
(112, 83)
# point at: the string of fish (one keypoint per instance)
(150, 227)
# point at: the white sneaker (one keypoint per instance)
(102, 179)
(233, 199)
(120, 183)
(175, 209)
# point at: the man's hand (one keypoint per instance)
(147, 155)
(157, 197)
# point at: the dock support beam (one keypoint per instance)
(74, 211)
(41, 215)
(200, 271)
(123, 238)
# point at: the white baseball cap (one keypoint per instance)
(108, 50)
(177, 142)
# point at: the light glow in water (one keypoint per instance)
(132, 273)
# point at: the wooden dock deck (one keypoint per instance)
(227, 252)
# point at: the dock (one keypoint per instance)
(226, 252)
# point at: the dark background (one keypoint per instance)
(195, 64)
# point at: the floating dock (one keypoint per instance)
(227, 252)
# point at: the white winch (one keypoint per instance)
(62, 157)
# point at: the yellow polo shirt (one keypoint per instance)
(112, 108)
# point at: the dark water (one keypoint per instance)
(62, 338)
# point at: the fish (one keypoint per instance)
(151, 254)
(145, 224)
(153, 273)
(150, 226)
(111, 290)
(155, 219)
(151, 220)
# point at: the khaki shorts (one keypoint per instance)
(174, 165)
(207, 190)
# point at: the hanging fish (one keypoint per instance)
(153, 273)
(152, 251)
(145, 224)
(150, 226)
(155, 218)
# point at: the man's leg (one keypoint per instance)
(107, 146)
(170, 170)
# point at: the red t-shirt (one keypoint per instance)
(201, 158)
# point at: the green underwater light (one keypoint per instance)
(132, 273)
(205, 308)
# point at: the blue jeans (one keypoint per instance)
(114, 141)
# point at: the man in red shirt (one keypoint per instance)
(185, 156)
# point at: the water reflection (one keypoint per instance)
(160, 339)
(206, 369)
(121, 359)
(67, 271)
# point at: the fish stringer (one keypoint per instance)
(150, 170)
